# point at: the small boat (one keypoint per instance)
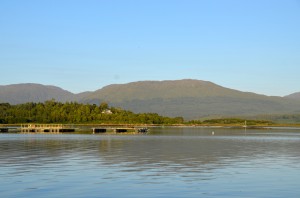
(143, 130)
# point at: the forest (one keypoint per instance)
(52, 111)
(72, 112)
(237, 121)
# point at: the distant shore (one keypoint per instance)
(17, 125)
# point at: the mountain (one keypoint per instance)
(30, 92)
(294, 96)
(190, 99)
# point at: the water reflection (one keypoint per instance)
(140, 151)
(181, 157)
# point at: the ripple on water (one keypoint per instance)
(166, 165)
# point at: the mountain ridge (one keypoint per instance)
(33, 92)
(188, 98)
(197, 86)
(294, 96)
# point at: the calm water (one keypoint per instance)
(168, 162)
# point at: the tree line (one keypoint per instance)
(52, 111)
(232, 121)
(72, 112)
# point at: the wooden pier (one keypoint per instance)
(3, 129)
(46, 128)
(112, 130)
(119, 130)
(60, 128)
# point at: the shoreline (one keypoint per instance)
(88, 127)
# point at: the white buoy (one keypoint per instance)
(213, 133)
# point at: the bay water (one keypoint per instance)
(166, 162)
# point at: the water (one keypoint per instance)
(168, 162)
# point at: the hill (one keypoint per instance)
(294, 96)
(191, 99)
(30, 92)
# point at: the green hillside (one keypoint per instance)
(30, 92)
(191, 99)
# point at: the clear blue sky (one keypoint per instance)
(85, 45)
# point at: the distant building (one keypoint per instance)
(107, 111)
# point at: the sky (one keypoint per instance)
(84, 45)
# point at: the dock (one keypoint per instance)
(61, 128)
(119, 130)
(4, 129)
(113, 130)
(46, 128)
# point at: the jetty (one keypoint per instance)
(4, 129)
(46, 128)
(119, 130)
(61, 128)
